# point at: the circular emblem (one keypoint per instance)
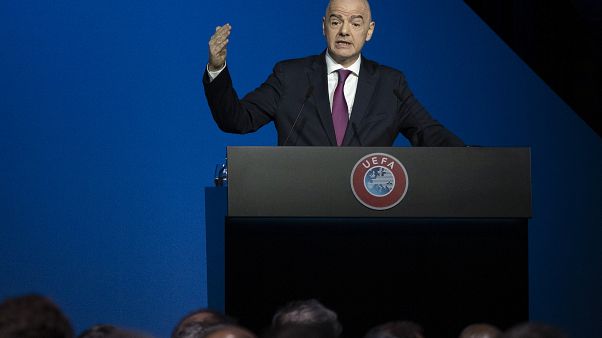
(379, 181)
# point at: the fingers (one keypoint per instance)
(223, 28)
(219, 40)
(221, 34)
(217, 46)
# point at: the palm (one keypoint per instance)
(218, 47)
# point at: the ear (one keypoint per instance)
(324, 25)
(370, 31)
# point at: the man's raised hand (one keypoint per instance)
(217, 47)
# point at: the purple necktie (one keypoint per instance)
(340, 111)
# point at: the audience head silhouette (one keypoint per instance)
(533, 330)
(226, 331)
(109, 331)
(480, 330)
(199, 321)
(396, 329)
(306, 315)
(33, 316)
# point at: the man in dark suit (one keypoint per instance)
(337, 98)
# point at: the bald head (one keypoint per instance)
(363, 4)
(200, 319)
(480, 331)
(533, 330)
(347, 26)
(230, 331)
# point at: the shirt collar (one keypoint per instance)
(332, 66)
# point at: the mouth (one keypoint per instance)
(343, 44)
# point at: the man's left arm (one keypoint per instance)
(417, 125)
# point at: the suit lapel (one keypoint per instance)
(365, 89)
(318, 78)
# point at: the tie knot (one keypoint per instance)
(343, 74)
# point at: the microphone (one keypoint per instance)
(310, 89)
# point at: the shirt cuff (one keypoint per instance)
(214, 73)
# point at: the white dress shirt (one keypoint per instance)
(214, 73)
(333, 79)
(350, 83)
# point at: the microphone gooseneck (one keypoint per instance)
(308, 93)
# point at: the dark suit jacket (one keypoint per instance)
(378, 115)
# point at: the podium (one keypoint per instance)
(433, 235)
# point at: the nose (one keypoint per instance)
(344, 29)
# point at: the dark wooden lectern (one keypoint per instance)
(452, 252)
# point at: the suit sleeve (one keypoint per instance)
(418, 126)
(241, 116)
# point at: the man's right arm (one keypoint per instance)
(232, 114)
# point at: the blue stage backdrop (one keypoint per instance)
(107, 143)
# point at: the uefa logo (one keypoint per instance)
(379, 181)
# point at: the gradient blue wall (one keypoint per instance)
(107, 143)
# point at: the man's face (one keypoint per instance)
(347, 26)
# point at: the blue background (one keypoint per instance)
(107, 143)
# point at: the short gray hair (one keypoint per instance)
(307, 312)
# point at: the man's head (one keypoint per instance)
(227, 331)
(396, 329)
(533, 330)
(307, 312)
(201, 318)
(480, 330)
(110, 331)
(347, 25)
(33, 316)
